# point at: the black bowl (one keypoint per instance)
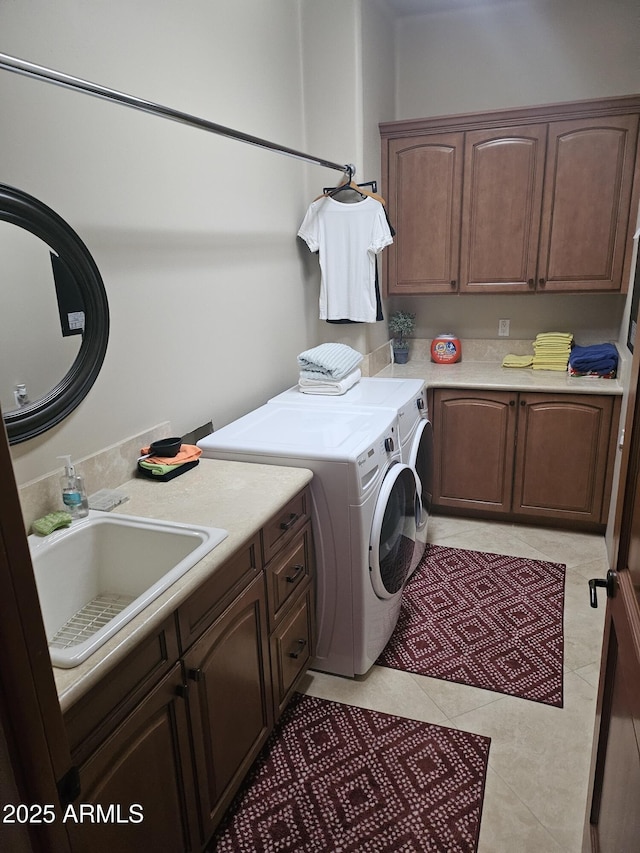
(165, 447)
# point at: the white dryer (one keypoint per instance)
(363, 512)
(408, 398)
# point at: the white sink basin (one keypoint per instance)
(96, 575)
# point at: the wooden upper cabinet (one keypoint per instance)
(504, 170)
(523, 200)
(587, 195)
(425, 182)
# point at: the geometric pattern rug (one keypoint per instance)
(486, 620)
(333, 777)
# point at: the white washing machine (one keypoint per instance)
(363, 512)
(408, 398)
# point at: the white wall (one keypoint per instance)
(516, 53)
(500, 55)
(348, 61)
(378, 74)
(211, 294)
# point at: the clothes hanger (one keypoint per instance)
(372, 184)
(350, 184)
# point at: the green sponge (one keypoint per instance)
(48, 523)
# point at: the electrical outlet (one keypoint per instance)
(503, 328)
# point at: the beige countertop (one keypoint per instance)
(482, 368)
(237, 496)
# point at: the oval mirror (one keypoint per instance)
(54, 326)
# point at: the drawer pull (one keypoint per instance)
(300, 649)
(296, 573)
(287, 525)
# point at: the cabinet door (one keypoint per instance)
(586, 201)
(142, 780)
(473, 437)
(230, 700)
(503, 174)
(561, 455)
(424, 200)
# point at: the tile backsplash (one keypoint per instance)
(107, 469)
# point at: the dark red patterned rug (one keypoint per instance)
(333, 778)
(486, 620)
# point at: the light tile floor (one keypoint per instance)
(536, 791)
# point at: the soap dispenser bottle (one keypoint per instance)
(74, 495)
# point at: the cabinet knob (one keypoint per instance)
(301, 644)
(454, 283)
(296, 573)
(194, 674)
(287, 525)
(542, 282)
(522, 403)
(182, 690)
(531, 282)
(512, 402)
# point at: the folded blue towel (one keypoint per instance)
(333, 361)
(598, 358)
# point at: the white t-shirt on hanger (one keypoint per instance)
(348, 237)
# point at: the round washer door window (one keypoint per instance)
(393, 532)
(421, 460)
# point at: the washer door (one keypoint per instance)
(393, 531)
(421, 460)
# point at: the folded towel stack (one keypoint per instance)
(170, 466)
(334, 387)
(517, 361)
(552, 350)
(329, 369)
(595, 360)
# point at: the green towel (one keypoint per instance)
(157, 468)
(48, 523)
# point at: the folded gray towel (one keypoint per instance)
(333, 361)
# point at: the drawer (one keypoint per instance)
(96, 714)
(205, 605)
(284, 526)
(291, 649)
(287, 573)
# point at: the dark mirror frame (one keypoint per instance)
(27, 212)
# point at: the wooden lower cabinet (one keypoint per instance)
(137, 788)
(472, 432)
(562, 456)
(526, 456)
(164, 741)
(291, 649)
(230, 700)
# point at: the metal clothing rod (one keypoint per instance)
(29, 69)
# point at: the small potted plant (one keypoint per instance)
(401, 325)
